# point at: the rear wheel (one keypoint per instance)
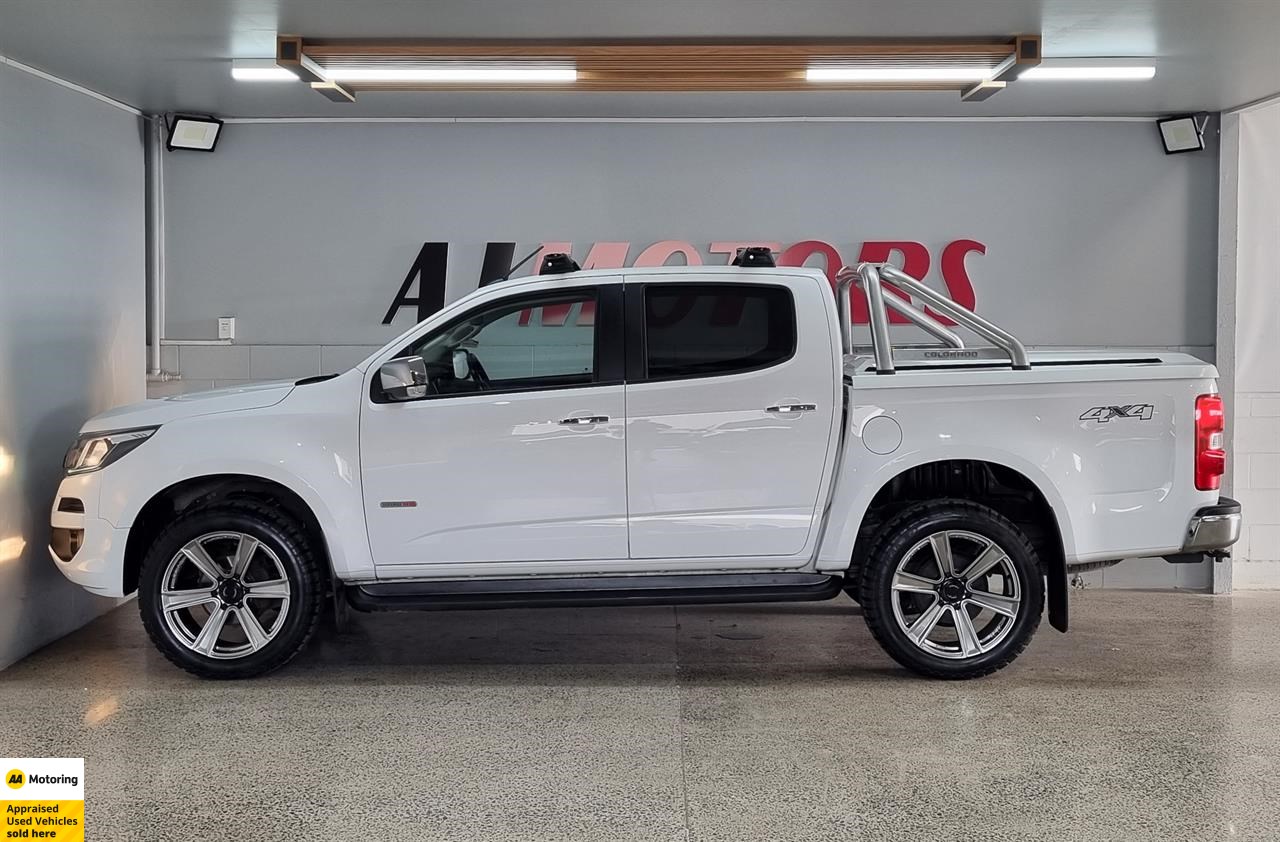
(952, 589)
(231, 591)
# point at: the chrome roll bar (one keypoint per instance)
(924, 320)
(872, 277)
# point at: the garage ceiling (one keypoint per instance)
(168, 55)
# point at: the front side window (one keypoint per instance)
(694, 330)
(535, 342)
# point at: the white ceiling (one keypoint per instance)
(167, 55)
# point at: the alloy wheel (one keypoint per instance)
(956, 594)
(225, 595)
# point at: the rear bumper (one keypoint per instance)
(1213, 528)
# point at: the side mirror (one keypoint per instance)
(461, 365)
(403, 379)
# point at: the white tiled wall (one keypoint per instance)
(1257, 487)
(202, 367)
(1248, 321)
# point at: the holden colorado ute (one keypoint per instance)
(654, 436)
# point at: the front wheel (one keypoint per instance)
(952, 589)
(231, 591)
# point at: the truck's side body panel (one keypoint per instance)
(495, 478)
(307, 442)
(716, 466)
(1109, 447)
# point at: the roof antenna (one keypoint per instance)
(558, 263)
(754, 256)
(526, 259)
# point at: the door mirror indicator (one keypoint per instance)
(404, 379)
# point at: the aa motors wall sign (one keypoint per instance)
(430, 268)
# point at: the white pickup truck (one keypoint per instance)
(653, 436)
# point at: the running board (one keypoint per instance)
(692, 589)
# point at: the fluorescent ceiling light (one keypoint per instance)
(1090, 70)
(453, 72)
(868, 73)
(260, 70)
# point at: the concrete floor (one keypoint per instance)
(1157, 717)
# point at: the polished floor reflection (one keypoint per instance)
(1157, 717)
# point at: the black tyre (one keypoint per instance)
(952, 589)
(231, 590)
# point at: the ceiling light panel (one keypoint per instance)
(1092, 69)
(902, 73)
(455, 73)
(260, 70)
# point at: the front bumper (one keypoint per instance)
(87, 549)
(1212, 529)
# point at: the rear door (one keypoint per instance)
(730, 407)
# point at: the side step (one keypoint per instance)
(692, 589)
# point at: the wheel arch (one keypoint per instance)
(173, 500)
(1012, 490)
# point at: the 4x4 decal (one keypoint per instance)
(1103, 414)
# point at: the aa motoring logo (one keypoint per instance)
(430, 268)
(16, 779)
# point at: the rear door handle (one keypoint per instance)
(792, 407)
(584, 419)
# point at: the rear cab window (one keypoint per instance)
(708, 330)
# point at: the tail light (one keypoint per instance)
(1211, 459)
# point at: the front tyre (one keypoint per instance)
(230, 591)
(952, 589)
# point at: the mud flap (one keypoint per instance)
(1056, 587)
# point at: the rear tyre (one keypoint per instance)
(952, 589)
(231, 591)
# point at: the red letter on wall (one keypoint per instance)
(730, 247)
(659, 253)
(915, 262)
(799, 254)
(954, 275)
(601, 256)
(556, 314)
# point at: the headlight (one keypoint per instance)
(97, 450)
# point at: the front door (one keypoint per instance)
(515, 451)
(729, 416)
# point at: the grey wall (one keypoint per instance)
(305, 231)
(71, 323)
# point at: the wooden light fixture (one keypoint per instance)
(341, 69)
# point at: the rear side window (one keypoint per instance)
(694, 330)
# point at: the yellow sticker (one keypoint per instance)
(47, 799)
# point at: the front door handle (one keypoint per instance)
(792, 407)
(584, 419)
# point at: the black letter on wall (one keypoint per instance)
(431, 263)
(497, 262)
